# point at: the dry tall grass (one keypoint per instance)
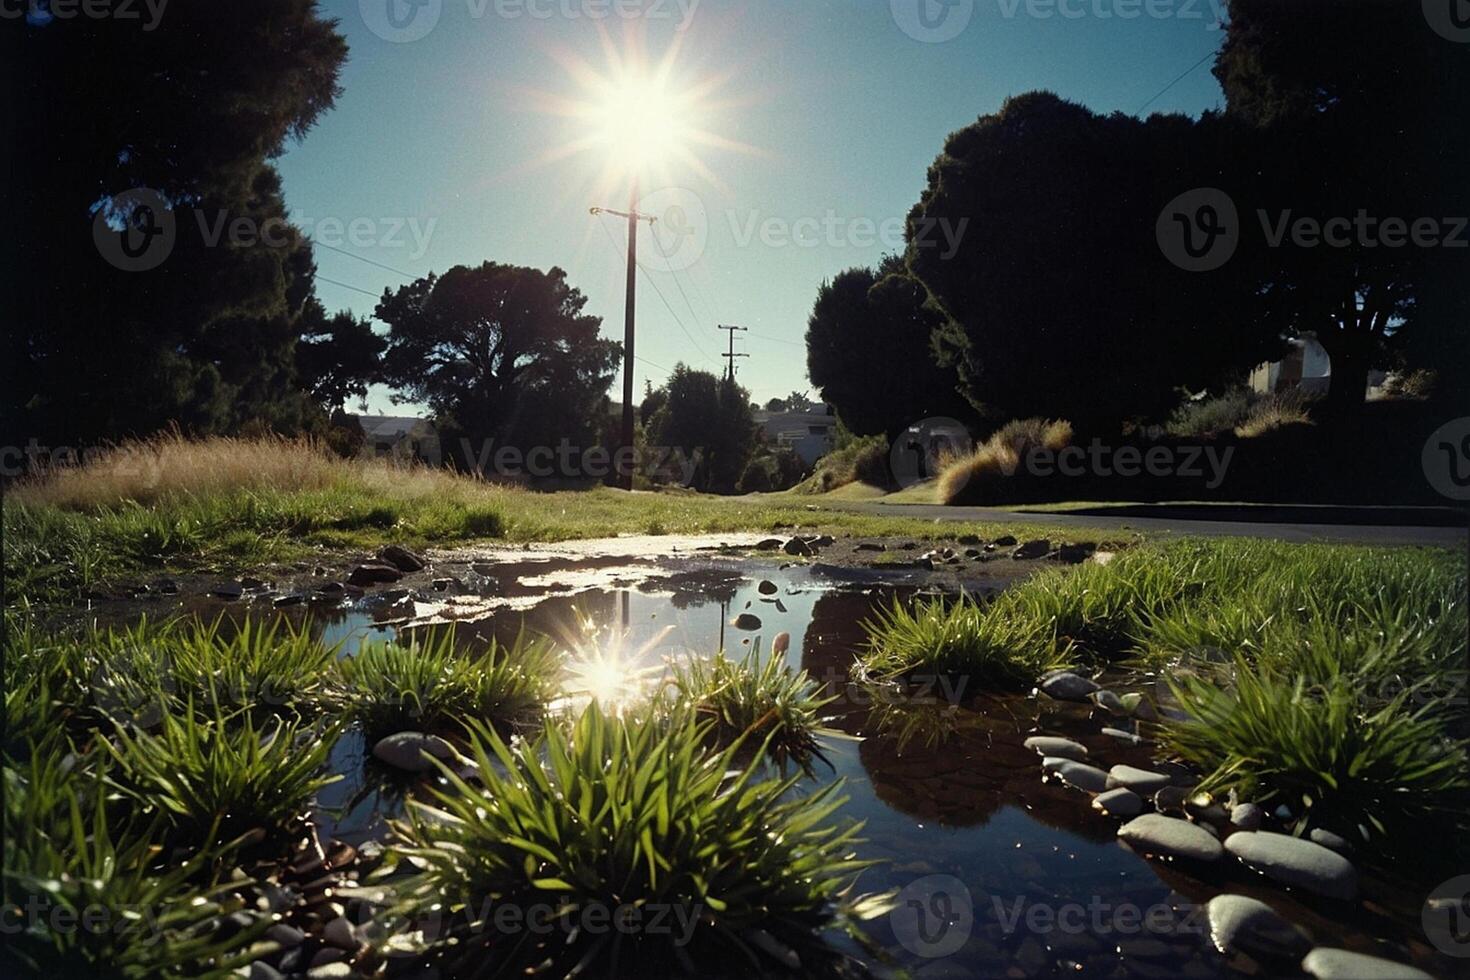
(1274, 412)
(170, 466)
(1000, 456)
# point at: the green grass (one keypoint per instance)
(1336, 756)
(72, 852)
(430, 684)
(627, 811)
(216, 777)
(762, 703)
(53, 552)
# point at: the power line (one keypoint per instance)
(1182, 75)
(360, 258)
(355, 289)
(660, 293)
(779, 340)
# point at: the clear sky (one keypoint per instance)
(810, 125)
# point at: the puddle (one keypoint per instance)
(1002, 874)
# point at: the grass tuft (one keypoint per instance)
(965, 477)
(430, 684)
(220, 776)
(759, 703)
(619, 813)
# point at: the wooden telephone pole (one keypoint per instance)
(730, 357)
(625, 476)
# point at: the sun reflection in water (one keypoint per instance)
(603, 666)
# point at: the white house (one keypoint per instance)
(811, 435)
(1306, 367)
(403, 440)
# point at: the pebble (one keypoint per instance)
(373, 573)
(1127, 738)
(1141, 780)
(1170, 799)
(1155, 833)
(285, 936)
(1328, 839)
(1032, 550)
(1293, 861)
(329, 971)
(1110, 702)
(401, 558)
(406, 751)
(1341, 964)
(1062, 748)
(264, 971)
(1063, 685)
(1246, 816)
(1077, 774)
(746, 621)
(340, 933)
(1239, 923)
(1118, 803)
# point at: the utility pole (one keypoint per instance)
(626, 474)
(730, 357)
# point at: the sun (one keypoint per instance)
(642, 124)
(635, 119)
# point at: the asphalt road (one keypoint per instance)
(1345, 525)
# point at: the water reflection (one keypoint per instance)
(945, 786)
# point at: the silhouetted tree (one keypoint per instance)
(1360, 107)
(1058, 300)
(870, 352)
(708, 415)
(192, 106)
(500, 352)
(338, 356)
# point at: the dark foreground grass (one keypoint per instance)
(142, 766)
(236, 505)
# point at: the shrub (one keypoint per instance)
(1274, 412)
(859, 460)
(1211, 416)
(1325, 751)
(626, 812)
(430, 684)
(759, 703)
(219, 777)
(68, 852)
(260, 667)
(972, 476)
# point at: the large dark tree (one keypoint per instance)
(1058, 300)
(701, 414)
(193, 108)
(337, 356)
(1360, 107)
(870, 351)
(500, 352)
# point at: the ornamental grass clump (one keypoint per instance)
(74, 852)
(761, 703)
(712, 867)
(432, 684)
(216, 776)
(1333, 754)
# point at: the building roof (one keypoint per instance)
(391, 426)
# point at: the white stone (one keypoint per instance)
(1062, 748)
(1140, 780)
(1341, 964)
(1118, 803)
(1239, 923)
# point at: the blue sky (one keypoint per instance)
(435, 154)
